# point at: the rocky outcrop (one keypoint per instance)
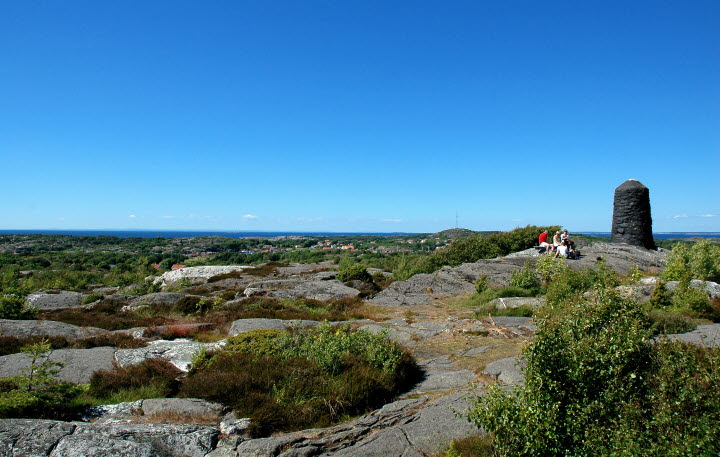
(323, 290)
(46, 438)
(156, 409)
(704, 335)
(619, 257)
(410, 427)
(423, 289)
(197, 275)
(33, 328)
(45, 301)
(78, 364)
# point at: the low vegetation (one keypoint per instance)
(288, 380)
(215, 311)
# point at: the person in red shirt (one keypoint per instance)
(542, 241)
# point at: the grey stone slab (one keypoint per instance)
(182, 406)
(508, 370)
(42, 328)
(247, 325)
(31, 437)
(54, 301)
(79, 364)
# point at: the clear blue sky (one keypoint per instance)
(357, 116)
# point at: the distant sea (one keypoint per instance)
(190, 234)
(666, 235)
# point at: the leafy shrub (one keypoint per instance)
(357, 272)
(526, 278)
(158, 373)
(595, 385)
(699, 261)
(689, 299)
(581, 368)
(547, 267)
(13, 307)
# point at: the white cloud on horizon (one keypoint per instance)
(168, 217)
(391, 220)
(132, 216)
(709, 215)
(680, 216)
(249, 217)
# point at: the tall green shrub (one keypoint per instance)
(597, 385)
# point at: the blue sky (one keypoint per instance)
(357, 116)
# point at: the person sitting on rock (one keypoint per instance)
(562, 250)
(556, 240)
(565, 237)
(542, 241)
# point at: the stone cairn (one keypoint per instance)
(632, 223)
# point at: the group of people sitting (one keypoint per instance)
(562, 245)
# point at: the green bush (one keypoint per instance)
(689, 299)
(357, 272)
(661, 297)
(89, 298)
(526, 278)
(699, 261)
(13, 307)
(596, 385)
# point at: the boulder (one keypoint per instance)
(45, 301)
(79, 364)
(515, 302)
(181, 406)
(197, 275)
(178, 352)
(33, 328)
(508, 370)
(248, 325)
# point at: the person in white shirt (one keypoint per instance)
(562, 250)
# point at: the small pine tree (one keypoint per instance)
(661, 297)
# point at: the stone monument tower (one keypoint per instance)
(632, 223)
